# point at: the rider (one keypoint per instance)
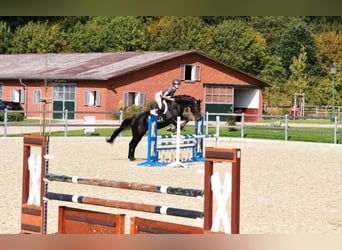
(167, 94)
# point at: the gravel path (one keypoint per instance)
(286, 187)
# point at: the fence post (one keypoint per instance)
(206, 122)
(121, 119)
(5, 122)
(242, 125)
(217, 129)
(121, 116)
(335, 129)
(286, 127)
(65, 123)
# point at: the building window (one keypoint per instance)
(190, 72)
(64, 92)
(36, 96)
(17, 95)
(218, 94)
(1, 91)
(134, 98)
(92, 98)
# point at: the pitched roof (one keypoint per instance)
(87, 66)
(78, 66)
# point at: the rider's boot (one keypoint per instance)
(161, 118)
(160, 115)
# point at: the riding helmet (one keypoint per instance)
(176, 82)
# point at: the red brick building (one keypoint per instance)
(106, 82)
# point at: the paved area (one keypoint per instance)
(55, 126)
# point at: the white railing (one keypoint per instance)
(276, 122)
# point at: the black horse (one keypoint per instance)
(139, 123)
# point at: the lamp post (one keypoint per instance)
(333, 70)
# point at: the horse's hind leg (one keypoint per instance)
(114, 135)
(131, 152)
(132, 146)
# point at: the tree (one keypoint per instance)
(129, 34)
(275, 74)
(86, 37)
(39, 38)
(291, 43)
(298, 80)
(239, 45)
(5, 38)
(103, 34)
(273, 27)
(177, 33)
(329, 49)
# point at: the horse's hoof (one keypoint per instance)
(132, 159)
(109, 140)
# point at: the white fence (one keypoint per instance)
(270, 122)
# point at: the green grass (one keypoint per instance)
(307, 134)
(310, 134)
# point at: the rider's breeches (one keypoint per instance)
(158, 99)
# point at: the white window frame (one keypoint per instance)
(135, 98)
(64, 92)
(92, 98)
(36, 96)
(17, 95)
(190, 72)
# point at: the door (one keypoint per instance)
(64, 97)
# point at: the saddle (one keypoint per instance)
(165, 109)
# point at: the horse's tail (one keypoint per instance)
(126, 124)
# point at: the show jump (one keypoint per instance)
(36, 196)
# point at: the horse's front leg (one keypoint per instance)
(173, 125)
(183, 123)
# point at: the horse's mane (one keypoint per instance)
(184, 98)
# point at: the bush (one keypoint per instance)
(132, 110)
(12, 116)
(231, 123)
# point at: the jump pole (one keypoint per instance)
(34, 216)
(178, 162)
(199, 137)
(125, 185)
(125, 205)
(197, 148)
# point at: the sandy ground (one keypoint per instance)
(286, 187)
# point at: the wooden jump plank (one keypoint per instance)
(148, 226)
(31, 219)
(81, 221)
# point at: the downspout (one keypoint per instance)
(25, 97)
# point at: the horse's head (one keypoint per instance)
(196, 109)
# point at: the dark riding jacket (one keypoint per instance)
(170, 90)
